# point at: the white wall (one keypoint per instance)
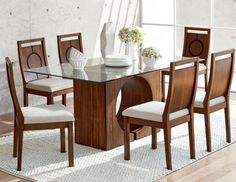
(25, 19)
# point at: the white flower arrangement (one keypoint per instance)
(131, 35)
(151, 52)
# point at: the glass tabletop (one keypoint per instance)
(98, 72)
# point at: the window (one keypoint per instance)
(164, 22)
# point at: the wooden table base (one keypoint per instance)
(97, 123)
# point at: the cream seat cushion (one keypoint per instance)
(50, 84)
(46, 114)
(152, 111)
(200, 96)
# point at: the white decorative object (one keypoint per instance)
(131, 49)
(150, 56)
(107, 39)
(132, 37)
(80, 74)
(150, 62)
(77, 59)
(114, 60)
(107, 45)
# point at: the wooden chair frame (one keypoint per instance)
(72, 40)
(204, 55)
(171, 106)
(41, 52)
(20, 126)
(214, 87)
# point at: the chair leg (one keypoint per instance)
(191, 138)
(167, 138)
(62, 135)
(227, 123)
(50, 100)
(206, 79)
(154, 138)
(64, 99)
(20, 148)
(208, 131)
(126, 139)
(26, 99)
(70, 145)
(15, 137)
(163, 93)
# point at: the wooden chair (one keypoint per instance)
(66, 42)
(32, 54)
(38, 118)
(217, 95)
(177, 110)
(196, 44)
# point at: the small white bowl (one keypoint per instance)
(149, 62)
(78, 63)
(77, 59)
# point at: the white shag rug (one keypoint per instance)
(42, 160)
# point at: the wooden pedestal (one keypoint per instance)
(96, 122)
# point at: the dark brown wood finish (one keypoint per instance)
(20, 126)
(66, 42)
(181, 95)
(196, 44)
(97, 123)
(221, 75)
(32, 54)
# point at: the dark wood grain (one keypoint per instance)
(32, 54)
(66, 42)
(97, 123)
(221, 75)
(181, 95)
(20, 126)
(196, 44)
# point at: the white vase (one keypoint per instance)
(107, 39)
(149, 62)
(131, 49)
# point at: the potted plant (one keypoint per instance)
(132, 37)
(150, 56)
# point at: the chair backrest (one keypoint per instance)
(197, 43)
(221, 74)
(66, 42)
(183, 86)
(11, 83)
(32, 54)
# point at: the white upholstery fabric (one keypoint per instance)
(202, 67)
(200, 96)
(50, 84)
(152, 111)
(46, 114)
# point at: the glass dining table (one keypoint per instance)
(98, 116)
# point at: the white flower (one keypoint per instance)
(151, 52)
(131, 35)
